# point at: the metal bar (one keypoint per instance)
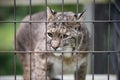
(85, 21)
(46, 40)
(92, 65)
(30, 32)
(76, 66)
(77, 41)
(93, 25)
(108, 63)
(93, 41)
(77, 6)
(14, 39)
(109, 31)
(62, 7)
(62, 66)
(22, 52)
(62, 41)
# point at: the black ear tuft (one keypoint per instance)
(79, 15)
(50, 11)
(75, 15)
(54, 12)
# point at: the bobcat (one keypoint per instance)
(63, 36)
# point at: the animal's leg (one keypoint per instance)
(81, 73)
(25, 60)
(41, 67)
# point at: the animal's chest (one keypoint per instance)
(66, 64)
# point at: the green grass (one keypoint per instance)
(7, 44)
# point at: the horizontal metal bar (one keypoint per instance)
(59, 51)
(87, 21)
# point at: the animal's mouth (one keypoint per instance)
(66, 51)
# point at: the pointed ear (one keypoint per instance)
(79, 16)
(50, 13)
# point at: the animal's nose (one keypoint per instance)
(55, 48)
(55, 44)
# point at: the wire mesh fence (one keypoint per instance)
(92, 51)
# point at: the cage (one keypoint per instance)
(98, 20)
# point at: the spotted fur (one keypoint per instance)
(60, 36)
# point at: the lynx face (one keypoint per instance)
(64, 35)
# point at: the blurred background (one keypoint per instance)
(99, 11)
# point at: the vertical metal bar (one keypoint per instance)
(76, 67)
(15, 39)
(62, 6)
(108, 63)
(62, 66)
(109, 17)
(62, 39)
(30, 29)
(77, 7)
(93, 25)
(46, 39)
(30, 32)
(46, 4)
(109, 29)
(93, 41)
(92, 65)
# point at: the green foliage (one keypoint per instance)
(7, 65)
(4, 12)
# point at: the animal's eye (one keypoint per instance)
(54, 23)
(63, 23)
(50, 34)
(76, 28)
(64, 36)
